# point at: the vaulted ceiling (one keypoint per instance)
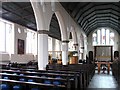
(89, 15)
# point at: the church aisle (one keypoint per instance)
(103, 81)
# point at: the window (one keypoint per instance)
(50, 44)
(111, 38)
(57, 45)
(31, 42)
(103, 36)
(94, 38)
(6, 36)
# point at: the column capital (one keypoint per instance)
(43, 32)
(65, 41)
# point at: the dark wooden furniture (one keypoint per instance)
(100, 63)
(116, 70)
(69, 80)
(86, 71)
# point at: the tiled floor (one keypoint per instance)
(103, 81)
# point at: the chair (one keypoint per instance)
(44, 76)
(22, 79)
(35, 89)
(17, 87)
(5, 78)
(21, 74)
(4, 87)
(14, 73)
(56, 83)
(30, 80)
(58, 77)
(47, 82)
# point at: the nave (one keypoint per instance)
(79, 76)
(103, 81)
(82, 34)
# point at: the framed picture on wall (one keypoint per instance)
(20, 46)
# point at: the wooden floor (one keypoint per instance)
(103, 81)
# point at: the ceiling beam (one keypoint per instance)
(100, 19)
(15, 4)
(99, 26)
(107, 22)
(86, 8)
(102, 24)
(24, 8)
(94, 15)
(90, 9)
(10, 11)
(106, 10)
(78, 7)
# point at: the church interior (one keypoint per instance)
(55, 45)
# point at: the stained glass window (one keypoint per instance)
(103, 36)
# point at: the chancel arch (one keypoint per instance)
(104, 42)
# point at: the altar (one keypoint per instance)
(100, 63)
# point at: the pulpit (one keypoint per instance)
(73, 60)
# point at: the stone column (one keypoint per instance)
(65, 52)
(53, 47)
(42, 49)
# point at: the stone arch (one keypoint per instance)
(63, 30)
(64, 37)
(41, 26)
(38, 12)
(74, 35)
(54, 32)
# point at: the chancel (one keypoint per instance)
(59, 45)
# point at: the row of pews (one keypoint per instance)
(28, 65)
(41, 79)
(53, 78)
(85, 71)
(116, 70)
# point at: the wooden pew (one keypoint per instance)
(38, 74)
(116, 70)
(37, 79)
(87, 71)
(29, 85)
(84, 71)
(52, 73)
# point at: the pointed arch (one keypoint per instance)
(74, 35)
(38, 12)
(63, 29)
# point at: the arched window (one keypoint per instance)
(50, 44)
(31, 42)
(103, 36)
(6, 36)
